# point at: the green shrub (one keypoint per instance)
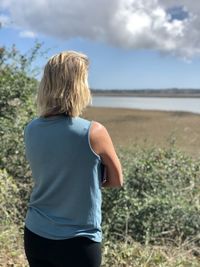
(9, 199)
(17, 91)
(133, 254)
(159, 202)
(11, 246)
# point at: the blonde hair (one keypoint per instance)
(64, 85)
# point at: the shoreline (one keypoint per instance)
(147, 95)
(146, 110)
(165, 92)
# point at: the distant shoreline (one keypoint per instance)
(175, 93)
(122, 109)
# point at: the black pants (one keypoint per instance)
(73, 252)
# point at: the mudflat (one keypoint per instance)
(130, 128)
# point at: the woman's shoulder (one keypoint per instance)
(31, 122)
(98, 133)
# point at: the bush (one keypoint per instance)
(133, 254)
(17, 91)
(11, 247)
(9, 199)
(159, 202)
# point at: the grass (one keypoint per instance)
(122, 254)
(11, 247)
(137, 255)
(130, 128)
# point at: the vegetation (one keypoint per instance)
(142, 128)
(152, 221)
(17, 92)
(160, 201)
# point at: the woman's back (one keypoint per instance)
(66, 199)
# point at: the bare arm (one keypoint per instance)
(102, 144)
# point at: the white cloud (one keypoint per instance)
(27, 34)
(4, 20)
(132, 24)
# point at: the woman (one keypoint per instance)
(66, 154)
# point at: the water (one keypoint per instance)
(149, 103)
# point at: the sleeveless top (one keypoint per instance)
(66, 198)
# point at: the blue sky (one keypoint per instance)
(140, 46)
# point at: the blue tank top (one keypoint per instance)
(66, 198)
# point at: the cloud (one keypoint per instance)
(4, 20)
(169, 26)
(27, 34)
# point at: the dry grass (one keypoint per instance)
(129, 128)
(119, 254)
(11, 247)
(137, 255)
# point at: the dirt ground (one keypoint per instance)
(130, 128)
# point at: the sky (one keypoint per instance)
(131, 44)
